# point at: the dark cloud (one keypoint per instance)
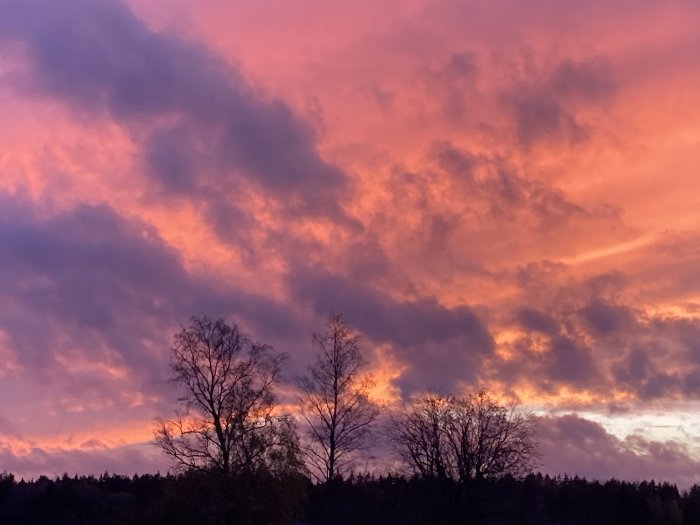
(538, 117)
(590, 81)
(537, 321)
(203, 127)
(441, 346)
(572, 445)
(686, 332)
(82, 272)
(460, 163)
(368, 260)
(570, 363)
(500, 193)
(587, 334)
(645, 376)
(545, 109)
(171, 159)
(92, 285)
(548, 361)
(603, 318)
(453, 83)
(635, 368)
(98, 57)
(659, 357)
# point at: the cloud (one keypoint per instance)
(424, 333)
(572, 445)
(205, 132)
(484, 202)
(603, 318)
(497, 192)
(453, 82)
(88, 284)
(547, 109)
(537, 321)
(569, 363)
(126, 460)
(592, 333)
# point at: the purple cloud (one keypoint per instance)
(204, 129)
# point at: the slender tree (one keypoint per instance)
(226, 421)
(335, 402)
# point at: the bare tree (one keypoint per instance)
(464, 438)
(489, 439)
(335, 402)
(227, 420)
(418, 436)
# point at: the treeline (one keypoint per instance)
(255, 499)
(229, 421)
(465, 458)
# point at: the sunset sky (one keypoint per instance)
(498, 193)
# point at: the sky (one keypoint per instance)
(496, 194)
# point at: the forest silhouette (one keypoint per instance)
(238, 458)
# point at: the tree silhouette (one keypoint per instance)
(464, 438)
(227, 421)
(418, 435)
(335, 401)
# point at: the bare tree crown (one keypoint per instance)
(227, 381)
(335, 402)
(228, 421)
(464, 438)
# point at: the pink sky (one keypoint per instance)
(498, 194)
